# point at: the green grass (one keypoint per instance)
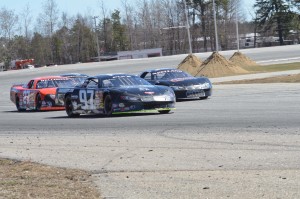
(273, 67)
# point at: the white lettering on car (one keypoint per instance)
(83, 98)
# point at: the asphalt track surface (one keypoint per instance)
(243, 142)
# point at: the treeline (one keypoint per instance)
(58, 38)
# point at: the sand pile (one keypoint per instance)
(241, 60)
(190, 64)
(218, 66)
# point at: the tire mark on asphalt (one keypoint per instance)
(163, 134)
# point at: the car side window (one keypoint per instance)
(161, 75)
(148, 77)
(41, 84)
(93, 83)
(50, 84)
(30, 84)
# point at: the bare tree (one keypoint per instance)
(8, 22)
(105, 24)
(48, 20)
(129, 21)
(26, 18)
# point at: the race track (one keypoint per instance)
(243, 142)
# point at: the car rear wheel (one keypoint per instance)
(69, 108)
(18, 104)
(164, 112)
(38, 102)
(108, 106)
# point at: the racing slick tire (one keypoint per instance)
(203, 98)
(164, 111)
(18, 105)
(38, 102)
(108, 106)
(69, 108)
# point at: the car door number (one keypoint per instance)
(88, 103)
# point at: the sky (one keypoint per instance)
(72, 7)
(91, 7)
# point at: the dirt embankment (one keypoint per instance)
(242, 60)
(217, 65)
(190, 64)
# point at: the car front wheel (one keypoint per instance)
(18, 105)
(108, 106)
(38, 102)
(69, 108)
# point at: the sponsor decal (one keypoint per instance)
(98, 100)
(75, 105)
(49, 104)
(55, 79)
(74, 97)
(117, 109)
(195, 93)
(180, 79)
(143, 88)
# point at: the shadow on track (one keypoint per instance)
(95, 116)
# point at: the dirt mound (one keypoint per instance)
(218, 66)
(242, 60)
(190, 64)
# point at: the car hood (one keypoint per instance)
(142, 90)
(185, 81)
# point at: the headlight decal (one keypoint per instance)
(129, 98)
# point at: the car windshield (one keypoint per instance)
(78, 80)
(124, 80)
(64, 83)
(170, 74)
(52, 83)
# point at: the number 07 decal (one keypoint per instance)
(83, 98)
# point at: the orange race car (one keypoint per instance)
(39, 93)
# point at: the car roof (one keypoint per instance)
(74, 75)
(50, 77)
(161, 69)
(100, 76)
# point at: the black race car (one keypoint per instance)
(184, 85)
(77, 77)
(118, 93)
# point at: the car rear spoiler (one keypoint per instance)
(18, 84)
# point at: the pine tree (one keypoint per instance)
(270, 13)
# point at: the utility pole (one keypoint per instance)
(96, 35)
(188, 26)
(237, 28)
(215, 22)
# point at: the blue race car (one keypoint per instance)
(118, 93)
(184, 85)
